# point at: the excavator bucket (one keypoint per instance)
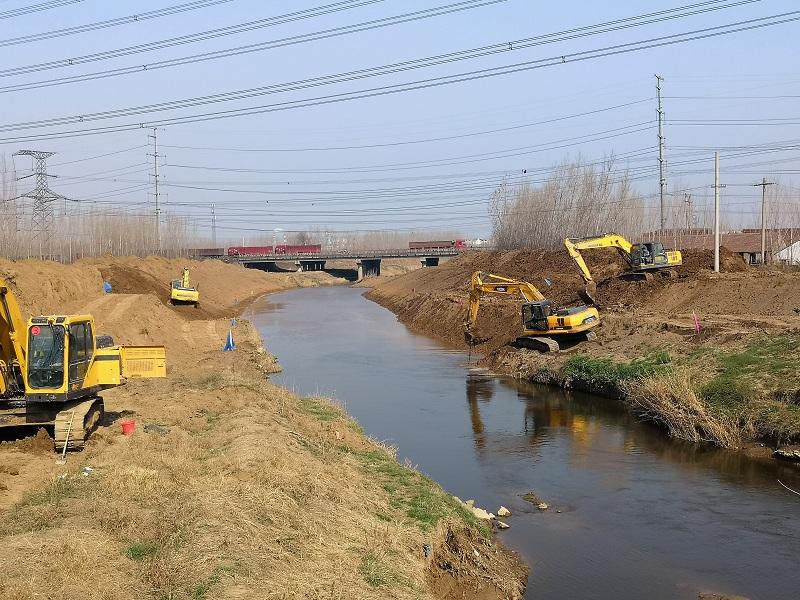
(589, 292)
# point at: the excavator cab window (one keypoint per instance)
(534, 315)
(46, 356)
(81, 349)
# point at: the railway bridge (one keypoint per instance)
(368, 262)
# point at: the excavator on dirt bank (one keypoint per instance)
(641, 259)
(182, 292)
(53, 367)
(542, 322)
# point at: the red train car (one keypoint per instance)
(249, 250)
(301, 249)
(438, 245)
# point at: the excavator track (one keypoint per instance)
(85, 415)
(539, 343)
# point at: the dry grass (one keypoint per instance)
(255, 493)
(670, 399)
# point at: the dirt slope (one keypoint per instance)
(434, 301)
(231, 487)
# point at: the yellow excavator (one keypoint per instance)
(543, 323)
(53, 367)
(641, 259)
(182, 292)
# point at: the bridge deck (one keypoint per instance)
(345, 255)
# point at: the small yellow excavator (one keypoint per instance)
(641, 259)
(543, 324)
(52, 369)
(182, 292)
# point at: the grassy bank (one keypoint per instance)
(727, 397)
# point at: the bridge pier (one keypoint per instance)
(430, 261)
(368, 267)
(310, 265)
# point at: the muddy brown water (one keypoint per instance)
(641, 516)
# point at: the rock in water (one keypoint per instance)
(503, 512)
(503, 525)
(542, 506)
(482, 514)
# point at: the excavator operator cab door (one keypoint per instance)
(80, 352)
(534, 315)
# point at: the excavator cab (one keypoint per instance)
(648, 254)
(535, 314)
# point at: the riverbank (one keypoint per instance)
(231, 486)
(734, 384)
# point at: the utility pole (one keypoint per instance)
(43, 198)
(662, 164)
(717, 187)
(213, 227)
(764, 183)
(155, 156)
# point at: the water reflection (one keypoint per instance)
(549, 412)
(643, 516)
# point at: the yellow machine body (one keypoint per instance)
(540, 317)
(67, 360)
(182, 292)
(639, 258)
(53, 367)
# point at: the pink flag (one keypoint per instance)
(696, 320)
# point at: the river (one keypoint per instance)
(633, 514)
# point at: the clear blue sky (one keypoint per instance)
(397, 195)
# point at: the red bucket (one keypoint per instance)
(128, 427)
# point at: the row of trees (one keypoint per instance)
(579, 199)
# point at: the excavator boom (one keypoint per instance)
(13, 344)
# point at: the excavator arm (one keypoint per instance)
(608, 240)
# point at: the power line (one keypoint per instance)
(115, 22)
(464, 5)
(33, 8)
(72, 162)
(614, 50)
(230, 30)
(418, 141)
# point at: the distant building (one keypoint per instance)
(789, 255)
(746, 243)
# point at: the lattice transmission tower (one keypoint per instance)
(43, 198)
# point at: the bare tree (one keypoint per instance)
(576, 200)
